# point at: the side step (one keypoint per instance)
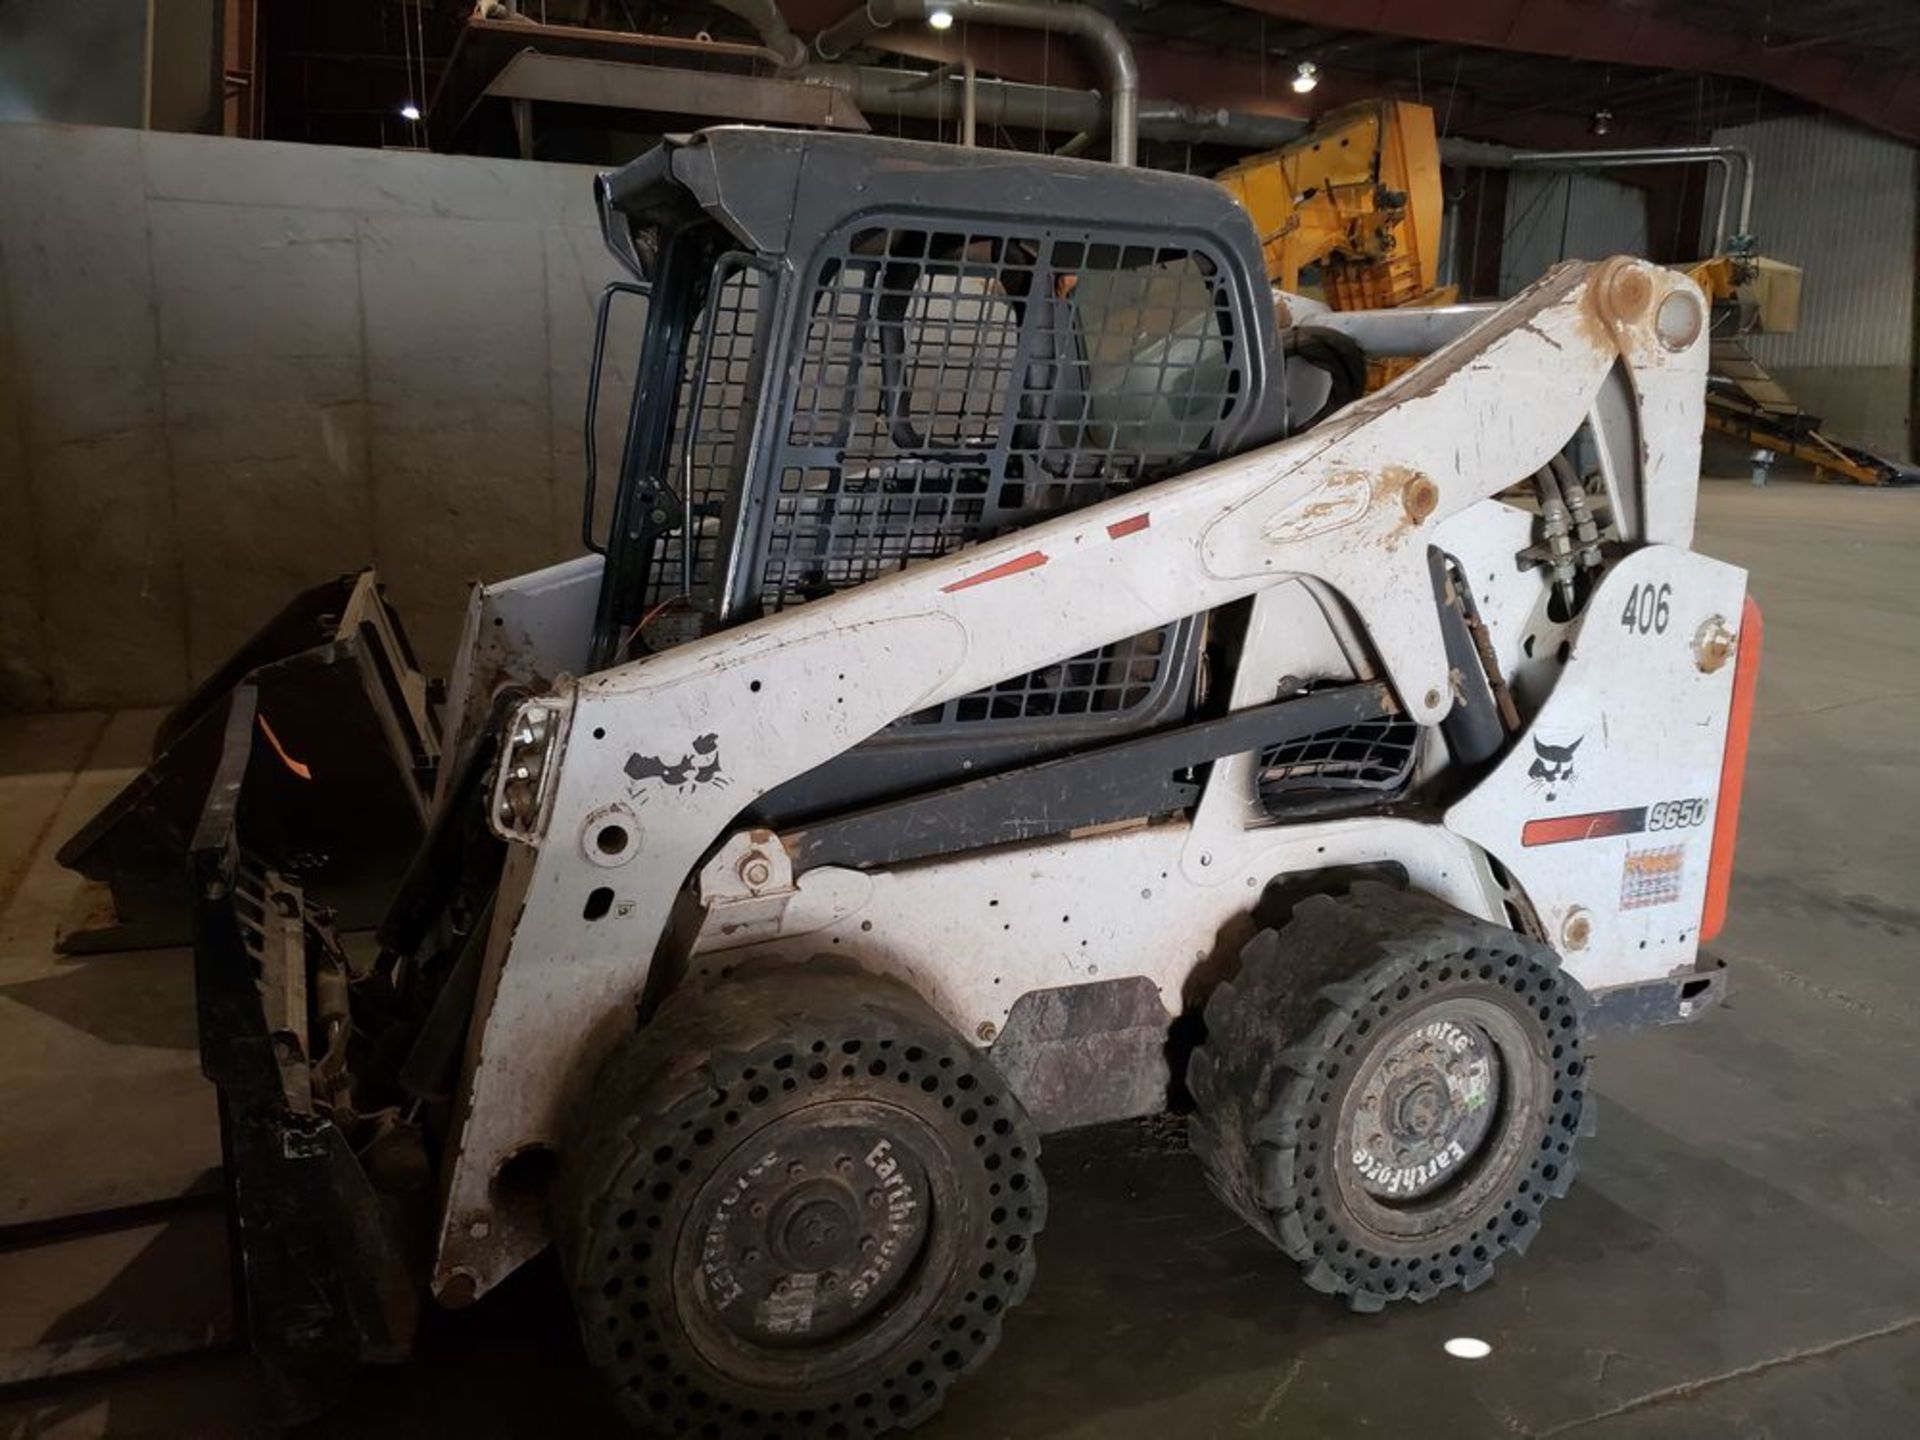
(341, 796)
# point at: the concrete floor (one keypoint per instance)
(1740, 1257)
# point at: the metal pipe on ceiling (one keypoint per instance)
(941, 95)
(1209, 125)
(772, 28)
(842, 96)
(1108, 41)
(1724, 157)
(969, 96)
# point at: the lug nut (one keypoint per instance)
(749, 1257)
(876, 1199)
(843, 1166)
(868, 1244)
(796, 1170)
(757, 1209)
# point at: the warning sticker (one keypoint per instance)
(1652, 877)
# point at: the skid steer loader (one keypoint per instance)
(979, 717)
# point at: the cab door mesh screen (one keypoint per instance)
(950, 386)
(700, 465)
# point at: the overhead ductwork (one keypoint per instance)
(771, 26)
(942, 95)
(1108, 42)
(1724, 157)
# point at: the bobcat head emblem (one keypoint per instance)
(1552, 766)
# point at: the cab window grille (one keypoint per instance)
(953, 385)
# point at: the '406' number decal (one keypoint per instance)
(1676, 814)
(1647, 611)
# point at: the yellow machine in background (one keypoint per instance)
(1359, 198)
(1752, 295)
(1358, 195)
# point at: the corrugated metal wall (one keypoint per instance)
(1839, 203)
(1836, 201)
(1555, 217)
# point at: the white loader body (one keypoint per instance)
(1594, 830)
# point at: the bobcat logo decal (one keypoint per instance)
(1552, 766)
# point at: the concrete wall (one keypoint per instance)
(229, 369)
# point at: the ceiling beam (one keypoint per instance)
(1884, 95)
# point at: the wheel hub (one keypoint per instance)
(816, 1232)
(812, 1226)
(1427, 1103)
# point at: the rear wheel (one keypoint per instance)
(802, 1209)
(1390, 1091)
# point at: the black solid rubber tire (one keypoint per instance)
(688, 1090)
(1289, 1033)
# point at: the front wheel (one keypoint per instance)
(802, 1209)
(1391, 1090)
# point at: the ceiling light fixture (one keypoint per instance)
(1306, 77)
(409, 111)
(1602, 121)
(1465, 1347)
(940, 20)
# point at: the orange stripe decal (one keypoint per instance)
(1733, 772)
(1132, 525)
(285, 759)
(1559, 829)
(1020, 564)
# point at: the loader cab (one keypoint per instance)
(862, 353)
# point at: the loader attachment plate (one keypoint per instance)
(321, 1254)
(342, 710)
